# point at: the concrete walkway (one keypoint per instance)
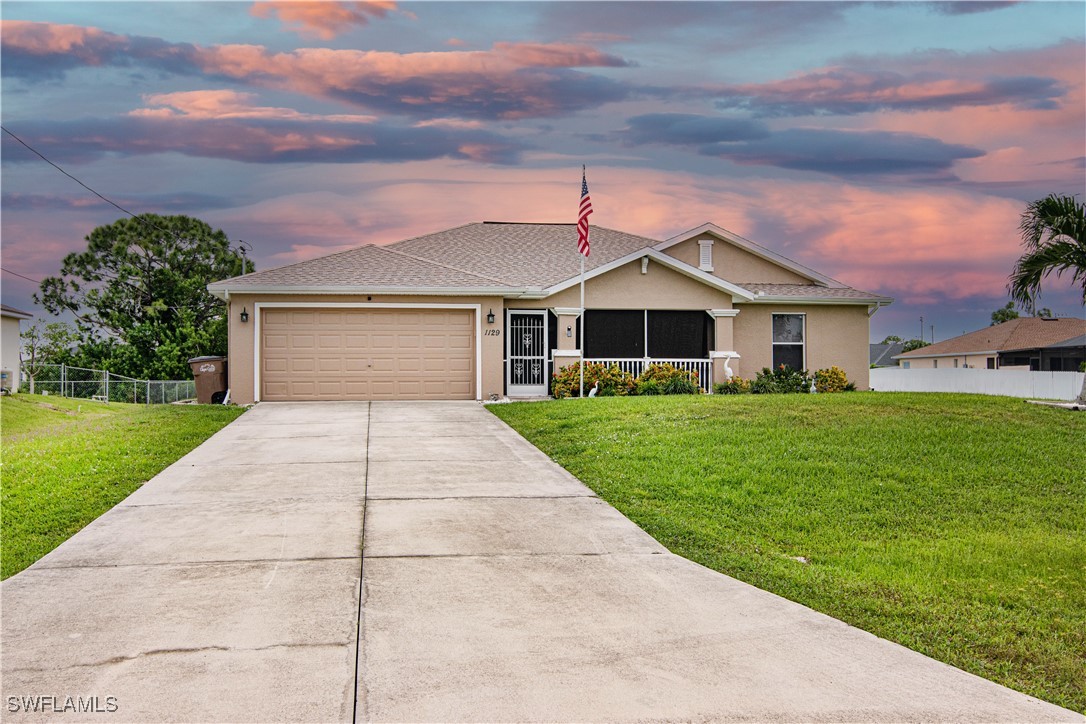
(495, 587)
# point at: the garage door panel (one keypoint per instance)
(367, 354)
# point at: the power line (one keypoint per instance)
(21, 276)
(40, 155)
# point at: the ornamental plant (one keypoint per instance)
(831, 380)
(782, 380)
(668, 379)
(734, 386)
(613, 381)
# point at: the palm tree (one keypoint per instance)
(1054, 237)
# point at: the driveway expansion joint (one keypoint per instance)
(189, 564)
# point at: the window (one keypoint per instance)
(614, 334)
(788, 341)
(634, 334)
(935, 364)
(991, 363)
(678, 334)
(955, 363)
(905, 364)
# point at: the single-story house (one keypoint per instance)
(11, 343)
(1017, 343)
(882, 355)
(490, 309)
(1065, 356)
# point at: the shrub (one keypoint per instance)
(648, 387)
(613, 381)
(831, 380)
(784, 379)
(1082, 367)
(734, 386)
(670, 380)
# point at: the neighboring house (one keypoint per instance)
(882, 355)
(1017, 343)
(11, 342)
(1065, 356)
(490, 309)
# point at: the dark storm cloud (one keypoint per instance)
(841, 153)
(263, 141)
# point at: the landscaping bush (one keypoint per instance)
(648, 387)
(781, 380)
(670, 380)
(613, 381)
(734, 386)
(832, 380)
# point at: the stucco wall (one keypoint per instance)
(835, 335)
(734, 264)
(9, 348)
(979, 361)
(627, 288)
(243, 342)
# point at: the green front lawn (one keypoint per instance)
(952, 524)
(65, 462)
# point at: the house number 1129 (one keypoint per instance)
(492, 332)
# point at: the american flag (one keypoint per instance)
(582, 216)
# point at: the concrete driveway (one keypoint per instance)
(494, 587)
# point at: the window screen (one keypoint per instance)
(679, 334)
(613, 333)
(788, 340)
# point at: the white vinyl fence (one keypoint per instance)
(68, 381)
(1013, 383)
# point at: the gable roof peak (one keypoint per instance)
(756, 249)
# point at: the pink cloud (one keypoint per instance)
(220, 104)
(85, 44)
(511, 80)
(320, 19)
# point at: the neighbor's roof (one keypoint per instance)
(881, 354)
(13, 312)
(499, 258)
(1079, 341)
(1021, 333)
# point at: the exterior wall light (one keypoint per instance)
(569, 331)
(244, 315)
(490, 317)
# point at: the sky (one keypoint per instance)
(891, 146)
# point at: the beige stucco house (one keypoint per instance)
(11, 343)
(1026, 343)
(491, 309)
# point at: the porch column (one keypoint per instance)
(565, 349)
(723, 353)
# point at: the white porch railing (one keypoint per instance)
(635, 366)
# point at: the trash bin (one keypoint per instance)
(210, 376)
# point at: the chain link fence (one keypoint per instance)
(67, 381)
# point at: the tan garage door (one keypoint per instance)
(367, 354)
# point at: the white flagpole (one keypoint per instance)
(581, 341)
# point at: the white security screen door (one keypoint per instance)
(526, 353)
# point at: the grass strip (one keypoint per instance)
(952, 524)
(60, 470)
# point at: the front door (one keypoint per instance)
(526, 353)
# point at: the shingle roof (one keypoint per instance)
(881, 354)
(1021, 333)
(522, 255)
(492, 257)
(811, 291)
(369, 266)
(1079, 341)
